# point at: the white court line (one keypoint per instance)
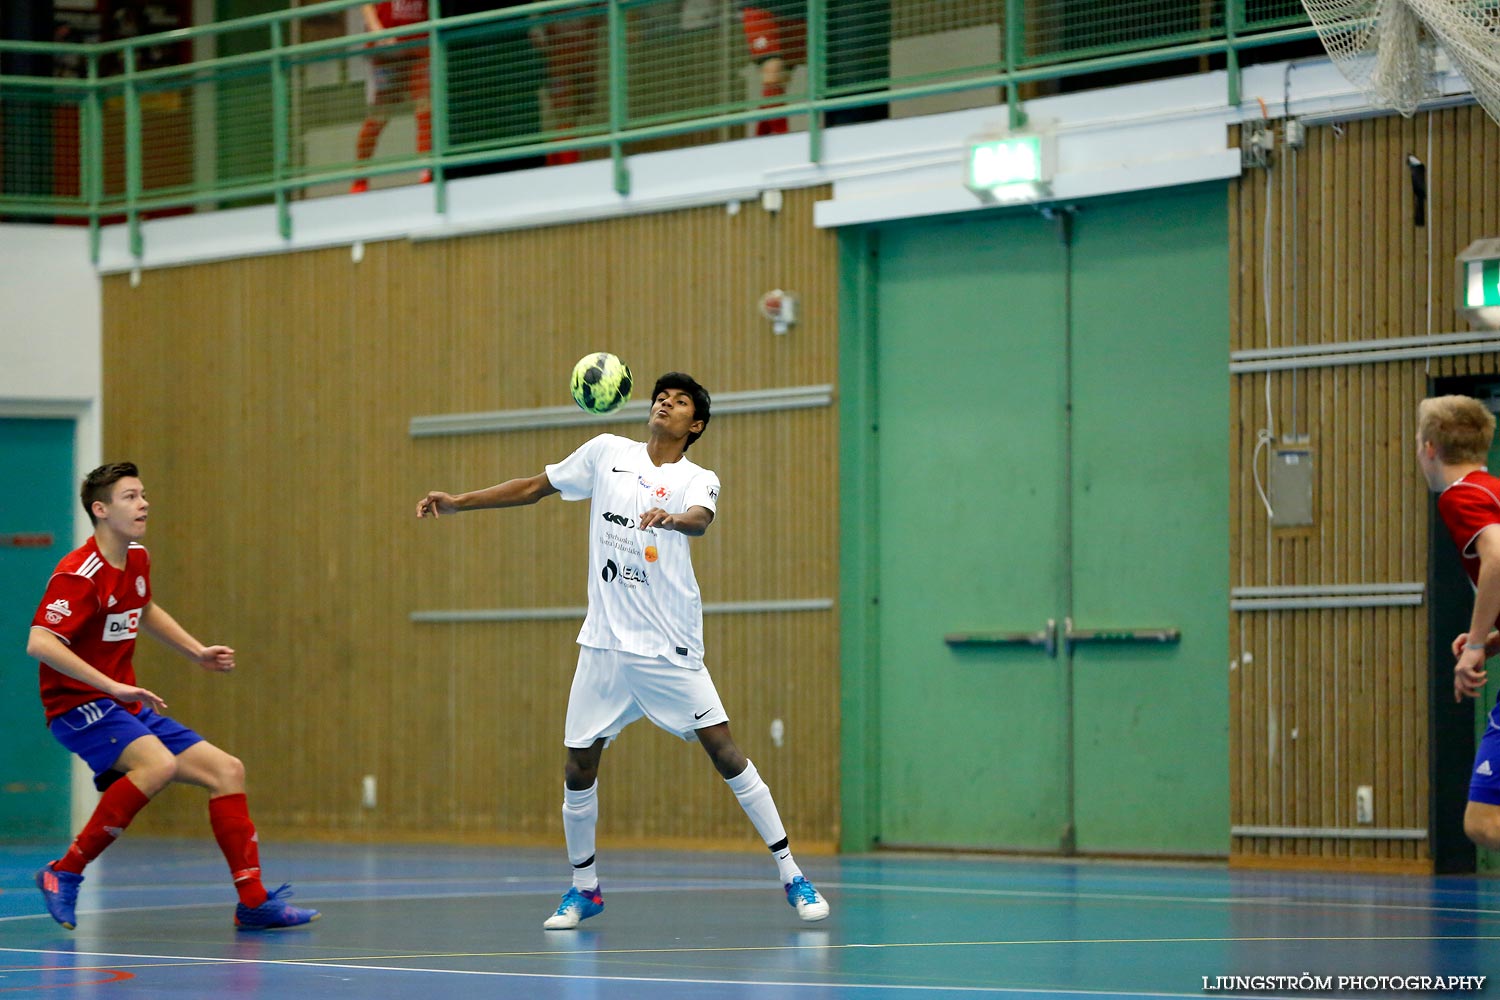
(657, 980)
(1146, 898)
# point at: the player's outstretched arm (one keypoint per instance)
(511, 493)
(164, 629)
(43, 645)
(1468, 673)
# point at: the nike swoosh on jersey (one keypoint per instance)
(627, 471)
(699, 715)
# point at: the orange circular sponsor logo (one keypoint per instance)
(651, 553)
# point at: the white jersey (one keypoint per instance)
(643, 596)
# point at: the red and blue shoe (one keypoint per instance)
(60, 891)
(274, 914)
(577, 906)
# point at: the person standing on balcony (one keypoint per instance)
(398, 72)
(776, 33)
(570, 45)
(856, 39)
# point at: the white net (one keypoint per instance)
(1469, 31)
(1387, 47)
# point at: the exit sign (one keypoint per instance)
(1482, 284)
(1009, 167)
(1479, 283)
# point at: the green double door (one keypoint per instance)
(1051, 401)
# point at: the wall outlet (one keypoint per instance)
(1364, 804)
(367, 791)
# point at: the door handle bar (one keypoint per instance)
(1046, 638)
(1072, 637)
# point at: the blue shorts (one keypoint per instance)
(99, 732)
(1484, 782)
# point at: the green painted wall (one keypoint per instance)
(38, 499)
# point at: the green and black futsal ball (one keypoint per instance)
(601, 383)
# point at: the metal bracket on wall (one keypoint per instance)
(798, 397)
(1331, 832)
(455, 616)
(1333, 595)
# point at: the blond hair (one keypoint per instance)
(1459, 427)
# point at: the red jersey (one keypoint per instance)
(395, 13)
(1467, 507)
(96, 610)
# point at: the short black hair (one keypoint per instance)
(689, 385)
(100, 485)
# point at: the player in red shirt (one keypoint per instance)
(84, 633)
(396, 74)
(1453, 443)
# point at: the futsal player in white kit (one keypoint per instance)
(641, 646)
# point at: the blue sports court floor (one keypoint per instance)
(441, 923)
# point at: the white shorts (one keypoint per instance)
(611, 689)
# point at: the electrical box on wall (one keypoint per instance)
(1291, 487)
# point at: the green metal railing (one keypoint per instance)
(277, 107)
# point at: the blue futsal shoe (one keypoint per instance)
(274, 914)
(810, 906)
(60, 890)
(577, 906)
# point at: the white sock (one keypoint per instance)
(755, 799)
(580, 818)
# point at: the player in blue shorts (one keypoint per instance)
(1453, 443)
(84, 633)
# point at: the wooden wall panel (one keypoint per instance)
(267, 401)
(1325, 700)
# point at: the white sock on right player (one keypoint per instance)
(755, 799)
(580, 819)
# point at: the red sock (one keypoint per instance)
(567, 155)
(111, 816)
(230, 817)
(771, 126)
(369, 134)
(424, 131)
